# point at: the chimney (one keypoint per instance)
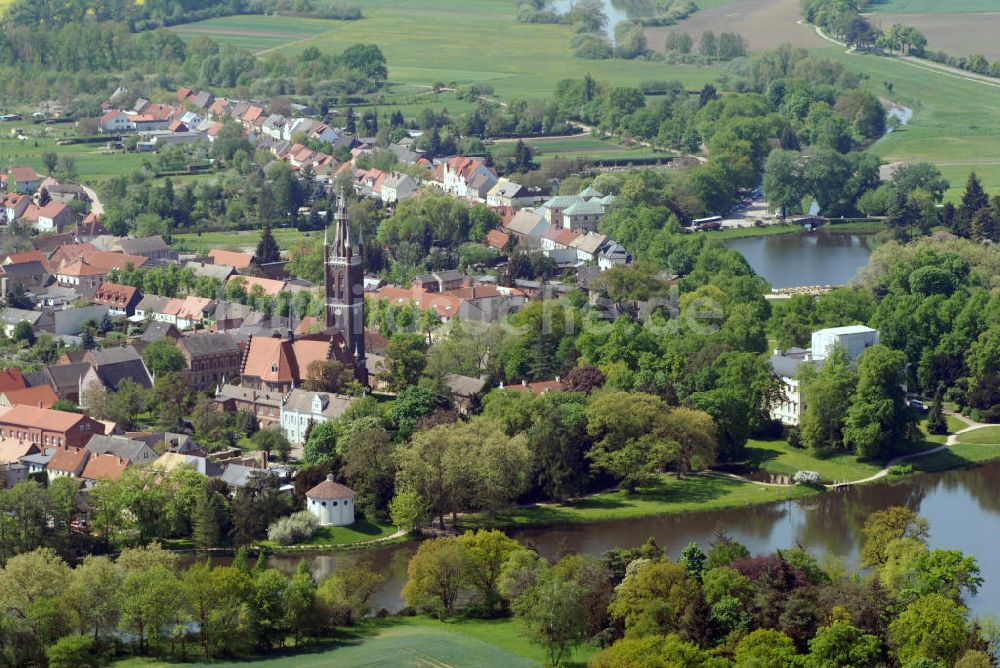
(329, 476)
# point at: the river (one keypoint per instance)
(963, 508)
(805, 258)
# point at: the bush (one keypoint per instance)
(293, 529)
(900, 469)
(806, 478)
(74, 652)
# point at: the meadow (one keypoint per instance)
(953, 124)
(580, 146)
(199, 242)
(428, 41)
(92, 161)
(256, 33)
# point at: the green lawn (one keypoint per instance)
(932, 6)
(984, 436)
(668, 496)
(954, 122)
(247, 239)
(486, 44)
(359, 532)
(776, 456)
(93, 161)
(408, 641)
(961, 455)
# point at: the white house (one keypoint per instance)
(331, 503)
(53, 217)
(301, 407)
(398, 186)
(854, 339)
(116, 121)
(460, 173)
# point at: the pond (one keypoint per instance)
(615, 10)
(963, 508)
(805, 258)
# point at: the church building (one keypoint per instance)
(280, 364)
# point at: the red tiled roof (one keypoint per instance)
(114, 294)
(183, 93)
(497, 239)
(329, 489)
(104, 467)
(80, 268)
(26, 256)
(270, 286)
(53, 210)
(11, 379)
(40, 418)
(109, 260)
(232, 258)
(68, 460)
(40, 396)
(23, 174)
(12, 449)
(540, 387)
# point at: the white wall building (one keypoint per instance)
(302, 407)
(331, 503)
(854, 339)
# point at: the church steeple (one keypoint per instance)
(344, 283)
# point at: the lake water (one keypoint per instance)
(806, 258)
(615, 10)
(963, 508)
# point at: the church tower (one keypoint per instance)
(345, 295)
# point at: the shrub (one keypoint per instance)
(294, 528)
(806, 478)
(900, 469)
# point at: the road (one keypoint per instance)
(96, 207)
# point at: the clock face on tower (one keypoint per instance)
(338, 311)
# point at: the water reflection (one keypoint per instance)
(963, 508)
(807, 258)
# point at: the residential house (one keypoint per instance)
(191, 312)
(497, 240)
(467, 178)
(115, 121)
(210, 359)
(24, 179)
(201, 100)
(152, 248)
(102, 467)
(12, 379)
(302, 408)
(46, 426)
(171, 461)
(67, 462)
(110, 366)
(232, 258)
(149, 306)
(527, 227)
(587, 246)
(397, 187)
(9, 317)
(220, 272)
(34, 276)
(41, 396)
(265, 405)
(541, 387)
(465, 391)
(14, 206)
(134, 451)
(66, 193)
(229, 315)
(121, 300)
(613, 254)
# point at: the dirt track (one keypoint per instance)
(764, 24)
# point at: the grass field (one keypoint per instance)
(408, 641)
(668, 496)
(580, 146)
(93, 162)
(483, 43)
(776, 456)
(199, 242)
(358, 532)
(954, 121)
(984, 436)
(960, 455)
(256, 33)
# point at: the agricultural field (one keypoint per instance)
(764, 24)
(955, 33)
(198, 242)
(257, 33)
(482, 42)
(931, 6)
